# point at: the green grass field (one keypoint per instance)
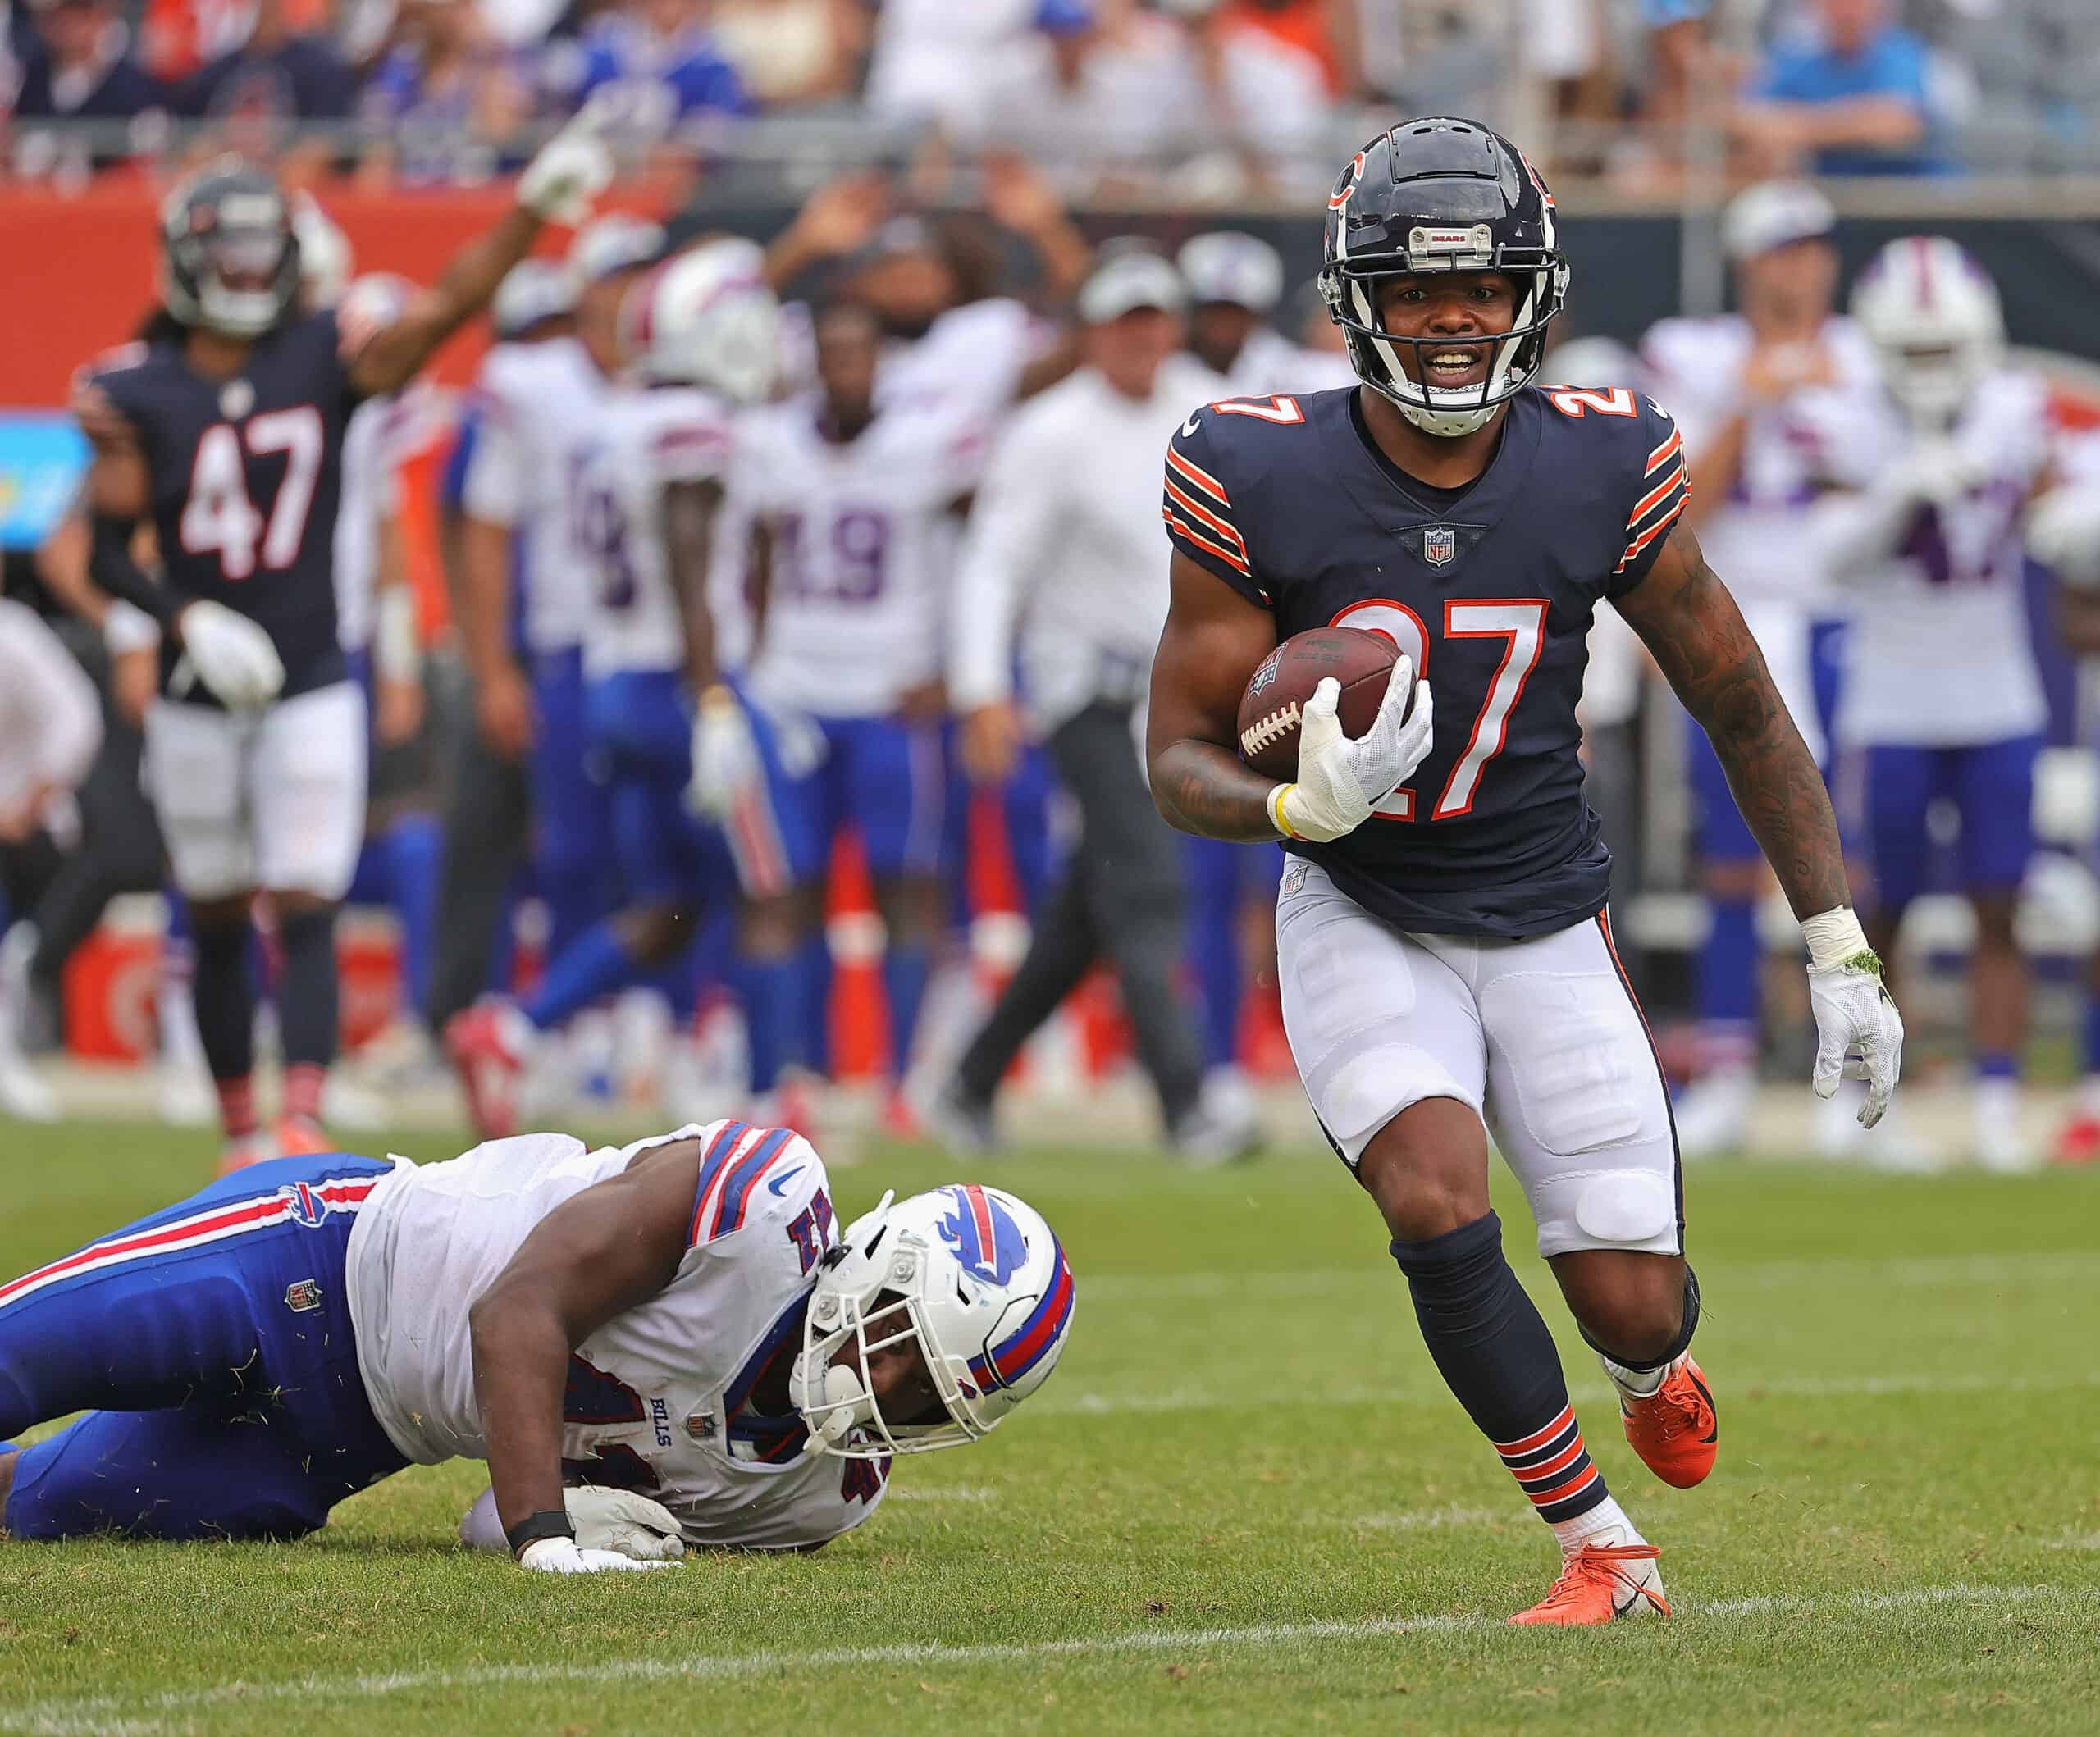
(1244, 1503)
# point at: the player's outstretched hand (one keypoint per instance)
(232, 655)
(564, 1555)
(1859, 1034)
(619, 1520)
(725, 759)
(572, 169)
(1340, 781)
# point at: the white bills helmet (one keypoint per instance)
(975, 1277)
(1933, 314)
(705, 317)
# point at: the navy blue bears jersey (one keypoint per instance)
(1489, 589)
(246, 474)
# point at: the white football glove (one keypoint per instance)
(232, 655)
(2063, 533)
(1937, 470)
(620, 1520)
(1859, 1034)
(572, 169)
(1340, 780)
(725, 757)
(564, 1555)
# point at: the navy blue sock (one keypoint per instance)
(771, 990)
(594, 964)
(905, 969)
(225, 994)
(813, 1002)
(415, 849)
(1492, 1346)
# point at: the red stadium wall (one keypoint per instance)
(80, 271)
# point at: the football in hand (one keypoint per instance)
(1284, 680)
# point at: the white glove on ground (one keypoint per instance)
(620, 1520)
(572, 169)
(1340, 780)
(725, 758)
(1859, 1034)
(232, 655)
(563, 1556)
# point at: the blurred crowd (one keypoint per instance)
(1187, 98)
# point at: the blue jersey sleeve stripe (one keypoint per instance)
(710, 1167)
(736, 1192)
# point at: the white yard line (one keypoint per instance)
(1738, 1386)
(2062, 1267)
(946, 1493)
(119, 1715)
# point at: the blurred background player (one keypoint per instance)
(1933, 550)
(50, 729)
(1062, 557)
(2063, 534)
(487, 780)
(1749, 390)
(227, 430)
(1235, 291)
(852, 506)
(525, 580)
(687, 767)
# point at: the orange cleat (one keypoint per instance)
(2079, 1143)
(302, 1136)
(1676, 1429)
(1598, 1583)
(489, 1066)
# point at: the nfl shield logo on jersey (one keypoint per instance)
(1438, 544)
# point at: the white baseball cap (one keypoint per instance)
(1126, 281)
(1228, 265)
(616, 242)
(1775, 214)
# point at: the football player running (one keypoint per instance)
(1445, 952)
(688, 767)
(1948, 458)
(225, 429)
(666, 1344)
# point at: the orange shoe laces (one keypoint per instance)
(1677, 1408)
(1601, 1563)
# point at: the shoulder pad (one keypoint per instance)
(750, 1175)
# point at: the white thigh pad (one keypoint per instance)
(196, 767)
(1625, 1208)
(1579, 1064)
(1377, 1021)
(311, 766)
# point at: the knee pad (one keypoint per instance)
(1625, 1208)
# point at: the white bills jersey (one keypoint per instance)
(646, 440)
(971, 360)
(538, 405)
(860, 532)
(1753, 539)
(659, 1400)
(1940, 654)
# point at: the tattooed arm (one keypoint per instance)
(1212, 639)
(1687, 619)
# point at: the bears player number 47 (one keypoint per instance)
(1443, 943)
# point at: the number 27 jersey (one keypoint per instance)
(1490, 590)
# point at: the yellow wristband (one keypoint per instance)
(1275, 811)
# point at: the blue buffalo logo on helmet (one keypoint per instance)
(982, 1234)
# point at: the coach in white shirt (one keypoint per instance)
(1065, 564)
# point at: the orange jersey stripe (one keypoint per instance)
(1182, 527)
(1201, 477)
(1195, 510)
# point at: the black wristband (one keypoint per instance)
(547, 1523)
